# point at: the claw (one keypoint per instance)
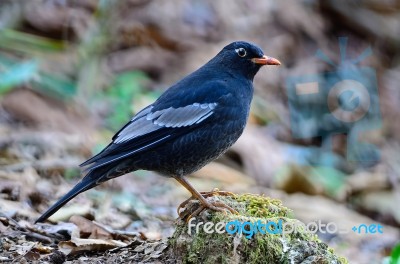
(204, 204)
(183, 204)
(216, 192)
(195, 213)
(201, 197)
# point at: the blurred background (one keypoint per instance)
(73, 72)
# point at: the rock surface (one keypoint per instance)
(251, 246)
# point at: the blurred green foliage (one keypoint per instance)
(330, 178)
(395, 256)
(26, 60)
(27, 43)
(126, 86)
(15, 72)
(21, 60)
(12, 75)
(55, 85)
(126, 91)
(72, 173)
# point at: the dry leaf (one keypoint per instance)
(78, 245)
(66, 212)
(89, 229)
(61, 228)
(24, 248)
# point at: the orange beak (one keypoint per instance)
(265, 60)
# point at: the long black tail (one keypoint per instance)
(92, 178)
(84, 185)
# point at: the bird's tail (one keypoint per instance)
(84, 185)
(93, 177)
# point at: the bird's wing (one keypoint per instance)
(149, 129)
(166, 118)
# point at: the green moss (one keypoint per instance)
(203, 247)
(261, 206)
(343, 260)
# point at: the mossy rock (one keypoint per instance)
(298, 246)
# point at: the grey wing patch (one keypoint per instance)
(142, 113)
(146, 121)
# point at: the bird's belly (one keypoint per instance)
(192, 151)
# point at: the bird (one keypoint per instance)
(192, 123)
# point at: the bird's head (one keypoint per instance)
(244, 58)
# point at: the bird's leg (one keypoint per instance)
(214, 192)
(216, 206)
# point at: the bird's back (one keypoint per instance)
(201, 143)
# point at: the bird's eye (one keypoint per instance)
(241, 52)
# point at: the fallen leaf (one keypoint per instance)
(66, 229)
(23, 248)
(78, 245)
(32, 255)
(66, 212)
(89, 229)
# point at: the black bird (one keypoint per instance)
(188, 126)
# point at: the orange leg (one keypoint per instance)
(216, 206)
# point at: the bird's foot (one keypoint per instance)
(215, 206)
(215, 192)
(204, 204)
